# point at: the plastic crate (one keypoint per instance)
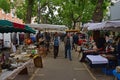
(107, 71)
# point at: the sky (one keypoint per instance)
(115, 1)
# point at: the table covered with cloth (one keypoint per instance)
(97, 60)
(10, 75)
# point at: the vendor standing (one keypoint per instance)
(38, 36)
(47, 39)
(101, 43)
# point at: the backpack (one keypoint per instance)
(68, 41)
(56, 42)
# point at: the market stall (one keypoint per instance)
(13, 64)
(107, 25)
(48, 27)
(8, 26)
(18, 67)
(72, 31)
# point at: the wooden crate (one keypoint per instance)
(38, 62)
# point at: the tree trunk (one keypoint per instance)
(74, 24)
(29, 11)
(97, 17)
(29, 14)
(98, 13)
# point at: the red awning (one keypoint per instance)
(21, 26)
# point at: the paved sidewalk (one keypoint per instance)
(61, 68)
(64, 69)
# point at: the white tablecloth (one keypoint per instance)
(97, 59)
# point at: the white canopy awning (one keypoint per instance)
(107, 25)
(48, 27)
(90, 24)
(96, 26)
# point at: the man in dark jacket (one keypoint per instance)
(75, 40)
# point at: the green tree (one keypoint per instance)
(5, 5)
(70, 12)
(25, 10)
(100, 9)
(74, 11)
(99, 13)
(29, 9)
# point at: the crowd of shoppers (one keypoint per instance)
(70, 40)
(74, 40)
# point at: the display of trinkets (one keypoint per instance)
(4, 58)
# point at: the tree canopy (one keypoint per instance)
(5, 5)
(66, 12)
